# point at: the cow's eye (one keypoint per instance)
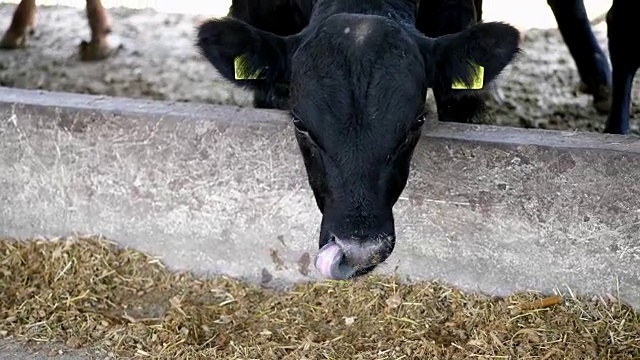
(299, 125)
(420, 120)
(302, 130)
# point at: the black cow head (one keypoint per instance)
(357, 93)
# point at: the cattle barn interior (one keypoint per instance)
(149, 209)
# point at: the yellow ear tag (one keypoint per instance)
(241, 71)
(477, 81)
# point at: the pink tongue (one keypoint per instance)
(327, 256)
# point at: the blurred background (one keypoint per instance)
(157, 59)
(525, 14)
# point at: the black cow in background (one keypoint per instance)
(610, 87)
(624, 38)
(440, 17)
(288, 17)
(282, 18)
(356, 78)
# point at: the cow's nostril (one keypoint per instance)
(364, 253)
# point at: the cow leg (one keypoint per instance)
(98, 48)
(478, 7)
(618, 119)
(441, 17)
(21, 26)
(624, 60)
(590, 60)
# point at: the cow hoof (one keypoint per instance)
(98, 50)
(583, 88)
(602, 106)
(602, 99)
(12, 40)
(601, 96)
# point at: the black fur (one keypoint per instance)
(357, 76)
(625, 61)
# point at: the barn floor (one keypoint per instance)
(158, 61)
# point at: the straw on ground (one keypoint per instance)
(85, 292)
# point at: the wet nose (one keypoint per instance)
(342, 259)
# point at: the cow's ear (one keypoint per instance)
(243, 54)
(472, 58)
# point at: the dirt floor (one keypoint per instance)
(158, 61)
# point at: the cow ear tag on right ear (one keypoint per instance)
(241, 71)
(476, 83)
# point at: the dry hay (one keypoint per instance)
(88, 293)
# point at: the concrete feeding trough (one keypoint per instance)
(222, 190)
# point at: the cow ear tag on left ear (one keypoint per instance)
(241, 71)
(476, 83)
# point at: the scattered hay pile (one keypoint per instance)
(85, 292)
